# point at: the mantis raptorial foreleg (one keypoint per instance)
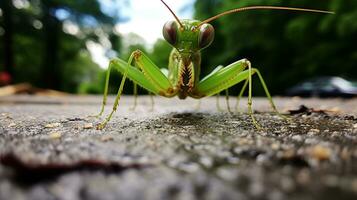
(226, 77)
(149, 77)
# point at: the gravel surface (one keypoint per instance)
(50, 149)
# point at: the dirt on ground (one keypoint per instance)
(50, 149)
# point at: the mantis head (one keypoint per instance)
(193, 35)
(188, 38)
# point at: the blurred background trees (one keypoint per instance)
(44, 41)
(47, 42)
(287, 47)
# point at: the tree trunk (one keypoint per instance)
(8, 38)
(51, 74)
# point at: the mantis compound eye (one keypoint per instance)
(206, 35)
(170, 32)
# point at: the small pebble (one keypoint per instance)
(52, 125)
(335, 110)
(313, 131)
(206, 161)
(106, 138)
(88, 126)
(189, 167)
(297, 138)
(275, 146)
(288, 154)
(320, 153)
(311, 141)
(244, 141)
(12, 125)
(158, 126)
(55, 135)
(355, 126)
(283, 129)
(227, 173)
(261, 159)
(335, 134)
(6, 115)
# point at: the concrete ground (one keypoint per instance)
(50, 149)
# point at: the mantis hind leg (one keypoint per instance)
(267, 93)
(217, 103)
(250, 102)
(135, 93)
(241, 94)
(227, 101)
(230, 75)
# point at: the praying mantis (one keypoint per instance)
(188, 38)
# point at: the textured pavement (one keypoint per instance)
(50, 149)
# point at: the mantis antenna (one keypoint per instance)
(172, 12)
(261, 8)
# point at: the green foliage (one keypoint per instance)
(286, 46)
(48, 54)
(78, 71)
(161, 53)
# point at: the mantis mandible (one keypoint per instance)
(188, 38)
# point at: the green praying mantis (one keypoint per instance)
(188, 38)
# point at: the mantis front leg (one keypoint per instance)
(148, 76)
(224, 78)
